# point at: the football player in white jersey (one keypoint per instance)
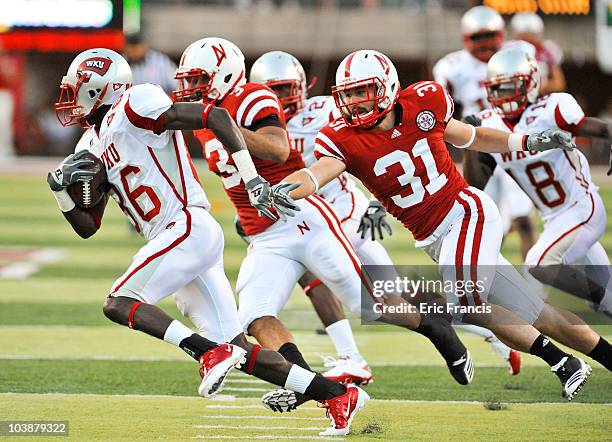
(151, 178)
(462, 73)
(284, 74)
(559, 183)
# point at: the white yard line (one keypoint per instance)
(254, 427)
(275, 417)
(270, 437)
(231, 398)
(245, 389)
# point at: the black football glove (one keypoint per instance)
(260, 196)
(285, 205)
(374, 218)
(551, 139)
(474, 120)
(72, 169)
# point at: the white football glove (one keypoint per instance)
(285, 205)
(551, 139)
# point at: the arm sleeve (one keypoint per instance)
(270, 120)
(326, 147)
(144, 109)
(258, 104)
(568, 113)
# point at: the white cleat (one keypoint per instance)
(342, 410)
(347, 370)
(216, 365)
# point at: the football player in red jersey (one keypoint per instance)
(212, 69)
(394, 141)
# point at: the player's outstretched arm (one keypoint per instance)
(268, 143)
(304, 183)
(595, 128)
(484, 139)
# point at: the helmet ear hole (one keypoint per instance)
(227, 78)
(92, 93)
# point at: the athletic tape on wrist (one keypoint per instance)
(470, 141)
(244, 164)
(65, 203)
(312, 178)
(517, 142)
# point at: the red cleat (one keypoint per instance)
(216, 365)
(342, 409)
(514, 362)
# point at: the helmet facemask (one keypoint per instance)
(290, 94)
(509, 96)
(482, 45)
(194, 85)
(67, 108)
(367, 91)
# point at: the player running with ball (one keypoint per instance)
(393, 140)
(152, 179)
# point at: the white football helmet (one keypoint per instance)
(482, 29)
(513, 81)
(527, 23)
(95, 77)
(371, 72)
(278, 69)
(209, 70)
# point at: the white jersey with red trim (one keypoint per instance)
(151, 175)
(303, 128)
(463, 75)
(555, 179)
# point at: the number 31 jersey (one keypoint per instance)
(555, 179)
(151, 175)
(408, 167)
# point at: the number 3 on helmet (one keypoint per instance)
(371, 79)
(209, 70)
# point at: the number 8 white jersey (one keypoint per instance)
(555, 179)
(151, 175)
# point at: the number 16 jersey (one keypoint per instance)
(408, 167)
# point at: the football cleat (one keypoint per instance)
(341, 410)
(283, 400)
(573, 373)
(513, 363)
(216, 364)
(347, 370)
(463, 369)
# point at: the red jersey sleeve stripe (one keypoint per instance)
(570, 127)
(257, 108)
(250, 100)
(324, 141)
(144, 122)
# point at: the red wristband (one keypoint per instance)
(205, 112)
(524, 142)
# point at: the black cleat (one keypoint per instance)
(573, 373)
(463, 369)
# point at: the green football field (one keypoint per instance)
(61, 359)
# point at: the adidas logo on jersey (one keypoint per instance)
(396, 133)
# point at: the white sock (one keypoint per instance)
(341, 335)
(176, 332)
(299, 379)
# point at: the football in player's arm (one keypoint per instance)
(180, 116)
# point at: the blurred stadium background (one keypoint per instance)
(60, 359)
